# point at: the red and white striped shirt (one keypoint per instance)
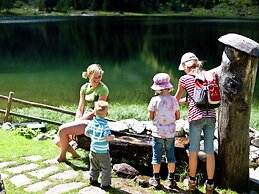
(187, 82)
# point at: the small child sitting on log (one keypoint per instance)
(99, 156)
(163, 111)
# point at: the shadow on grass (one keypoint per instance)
(78, 167)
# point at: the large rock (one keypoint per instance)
(125, 170)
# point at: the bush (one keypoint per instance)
(6, 4)
(64, 5)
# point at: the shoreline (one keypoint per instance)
(221, 10)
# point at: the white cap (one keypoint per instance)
(185, 58)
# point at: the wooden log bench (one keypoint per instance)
(136, 149)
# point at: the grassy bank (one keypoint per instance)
(222, 10)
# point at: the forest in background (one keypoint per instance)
(239, 7)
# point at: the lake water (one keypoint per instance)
(42, 58)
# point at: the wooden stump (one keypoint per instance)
(237, 80)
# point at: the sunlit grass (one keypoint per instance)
(14, 146)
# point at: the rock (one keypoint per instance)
(134, 125)
(147, 125)
(125, 170)
(73, 144)
(255, 142)
(138, 128)
(42, 136)
(31, 125)
(142, 180)
(182, 126)
(7, 126)
(241, 43)
(118, 126)
(254, 175)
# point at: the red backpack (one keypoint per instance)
(207, 94)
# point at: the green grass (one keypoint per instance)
(14, 147)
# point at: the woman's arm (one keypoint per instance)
(80, 110)
(81, 107)
(103, 98)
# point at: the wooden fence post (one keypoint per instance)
(8, 106)
(237, 78)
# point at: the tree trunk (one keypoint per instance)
(237, 80)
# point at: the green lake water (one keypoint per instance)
(42, 58)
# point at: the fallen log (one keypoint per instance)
(137, 149)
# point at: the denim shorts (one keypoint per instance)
(207, 125)
(157, 146)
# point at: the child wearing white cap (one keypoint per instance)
(199, 121)
(163, 111)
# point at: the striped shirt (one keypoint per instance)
(98, 129)
(187, 82)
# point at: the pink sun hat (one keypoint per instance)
(161, 82)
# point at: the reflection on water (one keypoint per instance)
(42, 58)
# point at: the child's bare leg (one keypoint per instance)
(156, 168)
(171, 167)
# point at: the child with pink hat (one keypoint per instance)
(163, 111)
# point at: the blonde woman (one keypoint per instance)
(199, 121)
(90, 92)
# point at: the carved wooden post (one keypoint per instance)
(237, 78)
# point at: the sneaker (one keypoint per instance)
(172, 184)
(191, 185)
(106, 188)
(208, 188)
(155, 183)
(94, 183)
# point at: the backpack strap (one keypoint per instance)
(187, 94)
(186, 97)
